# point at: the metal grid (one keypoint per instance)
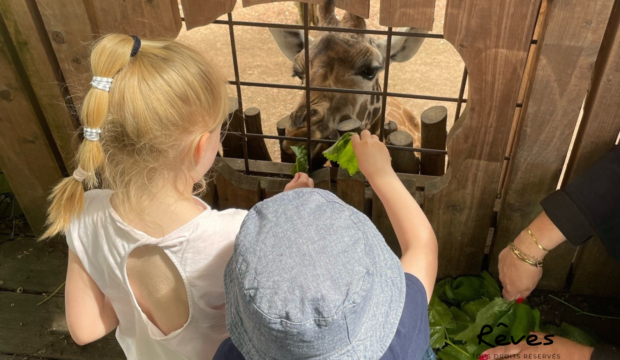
(308, 88)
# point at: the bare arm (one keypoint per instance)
(415, 234)
(90, 315)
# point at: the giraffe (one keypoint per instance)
(350, 61)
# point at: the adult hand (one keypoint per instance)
(518, 278)
(301, 180)
(562, 349)
(373, 157)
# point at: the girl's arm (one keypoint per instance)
(90, 315)
(415, 235)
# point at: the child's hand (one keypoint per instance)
(373, 157)
(301, 180)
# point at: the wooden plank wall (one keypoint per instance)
(407, 13)
(595, 272)
(30, 163)
(35, 52)
(567, 52)
(493, 38)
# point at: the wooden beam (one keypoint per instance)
(36, 54)
(200, 12)
(567, 51)
(28, 161)
(235, 190)
(28, 329)
(149, 19)
(460, 203)
(408, 13)
(596, 273)
(69, 29)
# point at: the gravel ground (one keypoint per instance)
(436, 70)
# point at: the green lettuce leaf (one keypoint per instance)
(489, 315)
(473, 308)
(573, 333)
(342, 153)
(440, 319)
(452, 353)
(301, 163)
(491, 288)
(461, 320)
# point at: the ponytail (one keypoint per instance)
(110, 54)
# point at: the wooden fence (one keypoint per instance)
(503, 158)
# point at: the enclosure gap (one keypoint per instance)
(572, 143)
(457, 114)
(233, 47)
(386, 78)
(307, 71)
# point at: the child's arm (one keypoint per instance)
(90, 315)
(415, 234)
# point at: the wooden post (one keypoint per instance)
(322, 179)
(389, 128)
(403, 161)
(272, 186)
(351, 189)
(543, 136)
(434, 134)
(281, 126)
(460, 204)
(382, 222)
(232, 144)
(351, 125)
(257, 149)
(235, 190)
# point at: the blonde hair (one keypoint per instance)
(161, 102)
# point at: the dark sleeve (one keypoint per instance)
(590, 204)
(228, 351)
(606, 352)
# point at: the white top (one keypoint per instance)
(199, 249)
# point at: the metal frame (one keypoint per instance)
(308, 88)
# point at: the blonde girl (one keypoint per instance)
(146, 256)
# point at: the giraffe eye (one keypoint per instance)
(369, 73)
(298, 75)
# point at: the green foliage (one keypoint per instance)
(572, 333)
(301, 163)
(460, 308)
(342, 153)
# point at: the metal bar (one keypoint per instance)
(326, 141)
(233, 46)
(347, 91)
(329, 29)
(386, 78)
(307, 78)
(461, 94)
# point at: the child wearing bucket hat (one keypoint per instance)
(312, 278)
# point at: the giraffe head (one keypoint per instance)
(339, 60)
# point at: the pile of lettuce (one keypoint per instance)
(341, 152)
(460, 308)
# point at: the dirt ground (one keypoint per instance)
(436, 70)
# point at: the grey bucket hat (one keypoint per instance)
(312, 278)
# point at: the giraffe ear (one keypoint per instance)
(290, 42)
(403, 47)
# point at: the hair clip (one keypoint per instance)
(136, 45)
(92, 134)
(102, 83)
